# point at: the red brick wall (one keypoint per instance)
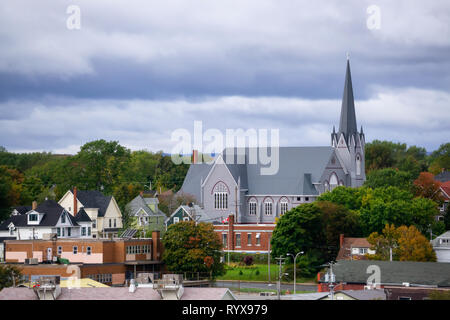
(232, 229)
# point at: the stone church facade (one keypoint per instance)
(230, 188)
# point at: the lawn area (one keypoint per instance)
(250, 273)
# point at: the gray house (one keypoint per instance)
(145, 214)
(233, 184)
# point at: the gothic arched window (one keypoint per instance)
(252, 205)
(333, 181)
(221, 196)
(358, 164)
(283, 205)
(268, 206)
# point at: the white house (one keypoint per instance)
(102, 210)
(441, 246)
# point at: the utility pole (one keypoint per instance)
(331, 279)
(280, 261)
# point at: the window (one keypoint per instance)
(89, 251)
(358, 164)
(252, 207)
(258, 239)
(63, 232)
(110, 223)
(75, 250)
(58, 232)
(283, 206)
(306, 199)
(115, 225)
(63, 218)
(59, 250)
(298, 198)
(268, 207)
(186, 219)
(176, 219)
(362, 250)
(94, 223)
(83, 231)
(333, 181)
(224, 239)
(249, 239)
(69, 232)
(89, 231)
(32, 217)
(11, 231)
(221, 196)
(404, 298)
(238, 240)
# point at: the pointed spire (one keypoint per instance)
(334, 130)
(347, 124)
(361, 132)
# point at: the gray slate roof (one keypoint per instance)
(299, 167)
(142, 203)
(395, 272)
(94, 199)
(82, 216)
(52, 212)
(347, 124)
(443, 176)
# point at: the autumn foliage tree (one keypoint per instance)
(406, 243)
(192, 248)
(426, 187)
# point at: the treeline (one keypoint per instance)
(99, 165)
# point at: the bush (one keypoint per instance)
(248, 260)
(257, 272)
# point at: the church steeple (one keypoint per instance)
(347, 124)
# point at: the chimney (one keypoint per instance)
(75, 201)
(194, 156)
(156, 246)
(231, 232)
(34, 205)
(341, 240)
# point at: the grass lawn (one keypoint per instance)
(250, 273)
(255, 290)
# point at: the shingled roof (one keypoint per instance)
(51, 210)
(393, 272)
(94, 199)
(299, 168)
(82, 216)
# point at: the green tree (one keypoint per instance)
(193, 248)
(447, 217)
(351, 198)
(389, 177)
(299, 229)
(338, 220)
(440, 159)
(10, 190)
(9, 275)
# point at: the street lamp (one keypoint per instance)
(295, 267)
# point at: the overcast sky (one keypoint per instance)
(137, 70)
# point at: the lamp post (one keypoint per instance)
(295, 266)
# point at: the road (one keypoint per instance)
(264, 285)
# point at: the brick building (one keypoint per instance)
(107, 261)
(246, 238)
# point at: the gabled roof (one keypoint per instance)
(393, 272)
(94, 199)
(445, 186)
(345, 252)
(82, 216)
(299, 168)
(22, 209)
(52, 212)
(140, 202)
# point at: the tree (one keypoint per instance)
(300, 229)
(9, 275)
(351, 198)
(406, 243)
(10, 190)
(337, 220)
(192, 248)
(425, 186)
(389, 177)
(440, 159)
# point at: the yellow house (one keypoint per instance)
(102, 210)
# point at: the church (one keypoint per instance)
(254, 201)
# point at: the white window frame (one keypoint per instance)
(268, 207)
(252, 207)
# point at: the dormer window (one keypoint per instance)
(32, 217)
(11, 230)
